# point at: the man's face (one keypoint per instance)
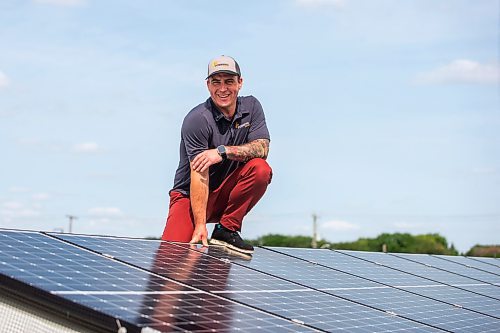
(224, 90)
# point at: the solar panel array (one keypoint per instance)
(156, 286)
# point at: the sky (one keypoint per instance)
(384, 114)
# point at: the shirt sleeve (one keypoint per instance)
(195, 134)
(258, 127)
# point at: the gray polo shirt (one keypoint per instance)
(205, 127)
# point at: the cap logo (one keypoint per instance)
(217, 64)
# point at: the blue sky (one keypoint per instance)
(384, 114)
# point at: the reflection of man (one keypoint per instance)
(222, 171)
(181, 307)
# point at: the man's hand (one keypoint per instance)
(200, 233)
(204, 160)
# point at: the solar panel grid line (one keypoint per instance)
(467, 262)
(47, 302)
(463, 293)
(101, 321)
(365, 303)
(189, 318)
(410, 273)
(457, 272)
(114, 258)
(456, 286)
(407, 290)
(339, 296)
(108, 292)
(350, 299)
(336, 295)
(490, 261)
(429, 272)
(76, 254)
(311, 304)
(267, 291)
(489, 323)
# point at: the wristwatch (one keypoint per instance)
(222, 152)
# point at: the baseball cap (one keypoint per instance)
(223, 64)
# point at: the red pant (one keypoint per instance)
(229, 203)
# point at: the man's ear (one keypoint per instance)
(240, 82)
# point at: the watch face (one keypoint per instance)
(221, 150)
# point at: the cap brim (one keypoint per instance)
(222, 71)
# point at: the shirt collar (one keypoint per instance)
(240, 109)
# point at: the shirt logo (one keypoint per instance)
(237, 125)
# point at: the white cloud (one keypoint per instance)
(340, 226)
(67, 3)
(4, 80)
(86, 148)
(14, 209)
(485, 171)
(41, 196)
(12, 205)
(18, 189)
(338, 4)
(462, 71)
(105, 211)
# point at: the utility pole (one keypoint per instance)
(71, 218)
(314, 242)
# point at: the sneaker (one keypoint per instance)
(231, 239)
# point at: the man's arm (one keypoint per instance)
(199, 198)
(255, 149)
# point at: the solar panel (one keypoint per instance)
(331, 281)
(468, 262)
(155, 286)
(246, 286)
(454, 267)
(98, 290)
(451, 288)
(450, 317)
(434, 274)
(490, 261)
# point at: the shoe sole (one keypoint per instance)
(232, 247)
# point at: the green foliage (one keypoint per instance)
(397, 242)
(282, 240)
(484, 251)
(401, 242)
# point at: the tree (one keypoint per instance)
(397, 242)
(484, 251)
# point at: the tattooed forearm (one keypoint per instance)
(256, 149)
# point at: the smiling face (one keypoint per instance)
(224, 89)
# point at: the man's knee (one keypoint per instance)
(260, 169)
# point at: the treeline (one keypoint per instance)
(396, 242)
